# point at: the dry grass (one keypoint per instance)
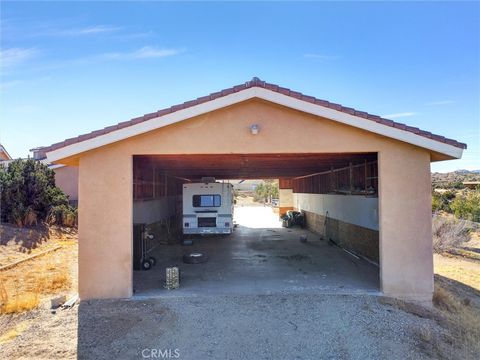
(443, 299)
(24, 286)
(26, 293)
(462, 320)
(465, 271)
(458, 317)
(20, 302)
(449, 233)
(456, 298)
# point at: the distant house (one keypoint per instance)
(4, 155)
(246, 185)
(66, 177)
(471, 184)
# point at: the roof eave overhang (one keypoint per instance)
(74, 149)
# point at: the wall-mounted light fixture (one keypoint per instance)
(254, 129)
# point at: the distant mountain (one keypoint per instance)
(464, 171)
(456, 176)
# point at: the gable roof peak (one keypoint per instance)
(274, 93)
(255, 82)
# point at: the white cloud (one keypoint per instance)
(440, 102)
(320, 56)
(146, 52)
(134, 35)
(399, 115)
(14, 56)
(89, 30)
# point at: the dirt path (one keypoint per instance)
(296, 326)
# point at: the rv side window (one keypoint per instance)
(206, 200)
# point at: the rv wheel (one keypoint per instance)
(152, 260)
(194, 258)
(146, 265)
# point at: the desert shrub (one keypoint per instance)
(467, 206)
(28, 192)
(441, 201)
(449, 233)
(62, 215)
(456, 185)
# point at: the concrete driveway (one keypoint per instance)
(260, 257)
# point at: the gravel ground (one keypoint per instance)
(299, 326)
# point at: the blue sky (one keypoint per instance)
(72, 68)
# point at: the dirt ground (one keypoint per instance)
(300, 326)
(45, 276)
(19, 243)
(462, 270)
(229, 327)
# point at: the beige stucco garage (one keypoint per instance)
(289, 123)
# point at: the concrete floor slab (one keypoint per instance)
(255, 260)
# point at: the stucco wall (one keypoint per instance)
(285, 201)
(105, 225)
(150, 211)
(406, 255)
(66, 178)
(357, 210)
(285, 197)
(106, 190)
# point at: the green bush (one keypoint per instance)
(28, 193)
(441, 201)
(467, 206)
(62, 215)
(456, 185)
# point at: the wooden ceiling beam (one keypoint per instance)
(253, 166)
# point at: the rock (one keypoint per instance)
(57, 301)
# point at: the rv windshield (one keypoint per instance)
(206, 200)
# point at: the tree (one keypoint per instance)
(28, 193)
(266, 190)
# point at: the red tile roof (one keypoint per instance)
(256, 82)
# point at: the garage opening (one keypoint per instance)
(320, 234)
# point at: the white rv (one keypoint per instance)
(208, 208)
